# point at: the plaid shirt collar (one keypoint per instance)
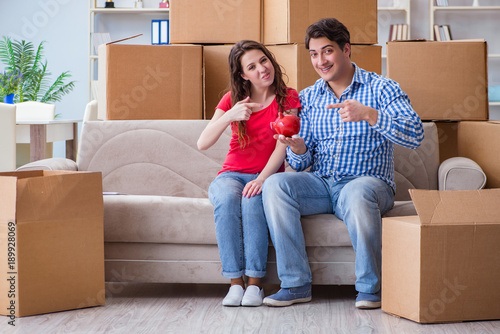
(358, 77)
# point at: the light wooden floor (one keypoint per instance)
(176, 308)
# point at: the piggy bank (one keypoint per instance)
(286, 125)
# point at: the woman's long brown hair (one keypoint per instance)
(241, 88)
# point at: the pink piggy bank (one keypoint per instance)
(286, 125)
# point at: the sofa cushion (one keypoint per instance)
(158, 219)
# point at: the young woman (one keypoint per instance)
(257, 94)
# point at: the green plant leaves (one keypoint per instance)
(35, 84)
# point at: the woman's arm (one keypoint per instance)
(254, 187)
(214, 130)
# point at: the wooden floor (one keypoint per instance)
(176, 308)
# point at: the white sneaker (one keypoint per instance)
(234, 296)
(253, 296)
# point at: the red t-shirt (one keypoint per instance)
(260, 142)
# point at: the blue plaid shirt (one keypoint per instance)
(339, 149)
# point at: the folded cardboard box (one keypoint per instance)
(216, 21)
(444, 264)
(286, 21)
(51, 236)
(480, 141)
(435, 77)
(150, 82)
(294, 59)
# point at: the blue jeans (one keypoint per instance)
(240, 226)
(359, 201)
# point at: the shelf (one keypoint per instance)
(495, 104)
(394, 9)
(494, 55)
(129, 10)
(465, 8)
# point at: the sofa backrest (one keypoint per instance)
(160, 157)
(417, 168)
(151, 157)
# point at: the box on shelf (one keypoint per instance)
(479, 141)
(444, 264)
(294, 58)
(194, 21)
(286, 21)
(435, 78)
(150, 82)
(52, 240)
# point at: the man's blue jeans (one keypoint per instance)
(359, 201)
(240, 226)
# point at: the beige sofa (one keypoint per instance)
(158, 221)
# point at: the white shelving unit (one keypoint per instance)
(398, 7)
(144, 14)
(433, 9)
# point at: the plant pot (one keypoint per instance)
(9, 99)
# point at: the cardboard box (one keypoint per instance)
(438, 83)
(444, 264)
(480, 141)
(294, 58)
(150, 82)
(52, 241)
(447, 134)
(216, 78)
(214, 21)
(286, 21)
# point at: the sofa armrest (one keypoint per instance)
(50, 164)
(460, 173)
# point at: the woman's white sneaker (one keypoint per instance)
(253, 296)
(234, 296)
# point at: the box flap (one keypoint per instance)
(457, 207)
(123, 39)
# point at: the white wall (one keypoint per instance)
(64, 25)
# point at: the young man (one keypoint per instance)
(350, 121)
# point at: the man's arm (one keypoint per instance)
(396, 120)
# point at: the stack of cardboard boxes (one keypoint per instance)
(186, 80)
(441, 265)
(447, 82)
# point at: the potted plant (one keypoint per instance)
(34, 83)
(9, 82)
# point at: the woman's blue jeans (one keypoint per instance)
(359, 201)
(240, 226)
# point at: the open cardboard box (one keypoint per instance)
(52, 241)
(149, 82)
(444, 264)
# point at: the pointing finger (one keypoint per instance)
(335, 105)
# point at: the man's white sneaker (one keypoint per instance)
(253, 296)
(234, 296)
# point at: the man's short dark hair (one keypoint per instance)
(330, 28)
